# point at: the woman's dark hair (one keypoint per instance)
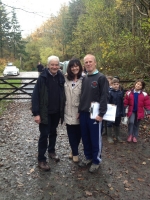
(70, 75)
(141, 81)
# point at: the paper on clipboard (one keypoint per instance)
(110, 114)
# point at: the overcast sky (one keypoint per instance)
(43, 9)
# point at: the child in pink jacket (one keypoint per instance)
(136, 100)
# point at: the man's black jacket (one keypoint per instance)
(40, 96)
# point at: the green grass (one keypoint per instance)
(11, 81)
(3, 106)
(5, 103)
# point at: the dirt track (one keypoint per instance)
(123, 175)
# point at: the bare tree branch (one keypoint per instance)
(144, 5)
(143, 1)
(140, 11)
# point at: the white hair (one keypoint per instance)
(52, 58)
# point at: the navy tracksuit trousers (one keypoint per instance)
(91, 137)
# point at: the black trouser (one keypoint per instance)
(48, 131)
(74, 135)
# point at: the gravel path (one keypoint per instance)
(123, 175)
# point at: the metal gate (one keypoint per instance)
(23, 91)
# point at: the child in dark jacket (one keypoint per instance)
(104, 123)
(116, 98)
(136, 100)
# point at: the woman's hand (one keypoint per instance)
(37, 119)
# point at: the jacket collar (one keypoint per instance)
(46, 73)
(133, 91)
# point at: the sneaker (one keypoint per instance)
(85, 162)
(53, 156)
(70, 155)
(110, 140)
(134, 140)
(94, 168)
(129, 138)
(44, 166)
(75, 159)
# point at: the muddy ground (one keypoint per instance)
(124, 173)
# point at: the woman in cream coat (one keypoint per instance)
(73, 81)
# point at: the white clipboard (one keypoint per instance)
(110, 114)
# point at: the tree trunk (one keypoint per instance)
(133, 26)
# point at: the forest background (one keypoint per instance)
(117, 32)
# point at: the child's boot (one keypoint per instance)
(117, 132)
(109, 135)
(104, 128)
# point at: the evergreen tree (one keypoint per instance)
(4, 30)
(15, 41)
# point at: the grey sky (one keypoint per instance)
(30, 21)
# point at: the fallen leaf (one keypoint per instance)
(79, 175)
(80, 178)
(88, 193)
(144, 126)
(32, 170)
(127, 189)
(28, 140)
(143, 163)
(140, 179)
(111, 188)
(125, 182)
(110, 172)
(109, 185)
(21, 185)
(1, 164)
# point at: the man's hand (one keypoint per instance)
(78, 115)
(37, 119)
(98, 118)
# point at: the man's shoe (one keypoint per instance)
(134, 140)
(75, 159)
(70, 155)
(94, 168)
(54, 156)
(85, 162)
(44, 166)
(129, 138)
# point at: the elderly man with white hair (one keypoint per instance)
(48, 108)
